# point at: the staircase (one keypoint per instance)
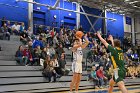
(26, 79)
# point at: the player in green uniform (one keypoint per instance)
(118, 63)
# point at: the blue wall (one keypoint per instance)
(84, 22)
(61, 15)
(115, 28)
(14, 11)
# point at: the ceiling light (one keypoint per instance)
(127, 0)
(133, 2)
(135, 6)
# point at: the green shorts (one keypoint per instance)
(120, 76)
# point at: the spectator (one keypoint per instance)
(19, 55)
(55, 40)
(46, 62)
(30, 43)
(3, 21)
(24, 37)
(52, 52)
(27, 55)
(44, 53)
(94, 77)
(93, 55)
(37, 55)
(62, 65)
(9, 27)
(110, 72)
(22, 28)
(15, 28)
(30, 33)
(5, 32)
(101, 76)
(59, 50)
(37, 42)
(49, 71)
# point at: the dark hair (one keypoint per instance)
(117, 43)
(76, 39)
(19, 47)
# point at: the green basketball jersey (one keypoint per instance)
(117, 57)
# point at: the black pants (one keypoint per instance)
(59, 71)
(36, 60)
(50, 75)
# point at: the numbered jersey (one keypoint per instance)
(117, 57)
(78, 55)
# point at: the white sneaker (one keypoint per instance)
(76, 92)
(70, 92)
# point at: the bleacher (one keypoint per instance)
(26, 79)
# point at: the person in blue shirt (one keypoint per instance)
(38, 42)
(94, 77)
(22, 27)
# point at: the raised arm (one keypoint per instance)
(111, 39)
(80, 44)
(86, 42)
(102, 40)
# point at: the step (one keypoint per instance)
(20, 68)
(52, 90)
(23, 87)
(7, 58)
(27, 80)
(3, 62)
(29, 74)
(12, 63)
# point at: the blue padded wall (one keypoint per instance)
(14, 11)
(62, 16)
(115, 28)
(84, 22)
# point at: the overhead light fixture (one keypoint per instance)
(127, 0)
(133, 2)
(69, 14)
(135, 6)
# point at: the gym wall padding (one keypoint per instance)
(84, 22)
(115, 28)
(14, 11)
(62, 16)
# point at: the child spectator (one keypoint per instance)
(94, 77)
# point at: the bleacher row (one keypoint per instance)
(27, 79)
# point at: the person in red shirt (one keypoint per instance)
(100, 75)
(27, 55)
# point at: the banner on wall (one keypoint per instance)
(128, 20)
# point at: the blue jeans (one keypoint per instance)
(101, 81)
(19, 59)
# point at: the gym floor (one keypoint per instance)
(131, 89)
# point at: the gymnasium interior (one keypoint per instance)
(36, 32)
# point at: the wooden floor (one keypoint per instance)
(131, 89)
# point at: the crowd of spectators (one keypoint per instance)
(46, 48)
(102, 68)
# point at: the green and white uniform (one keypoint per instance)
(117, 58)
